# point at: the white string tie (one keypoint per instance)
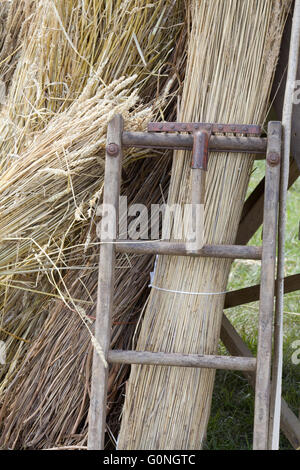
(186, 292)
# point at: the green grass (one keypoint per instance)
(231, 422)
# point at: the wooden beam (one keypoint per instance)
(98, 402)
(182, 360)
(251, 294)
(252, 214)
(180, 249)
(287, 112)
(279, 87)
(264, 346)
(290, 424)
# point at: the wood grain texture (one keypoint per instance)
(179, 249)
(97, 412)
(223, 144)
(264, 347)
(183, 360)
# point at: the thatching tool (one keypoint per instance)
(201, 133)
(251, 142)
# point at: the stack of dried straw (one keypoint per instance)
(79, 62)
(67, 67)
(232, 53)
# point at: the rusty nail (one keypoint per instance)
(112, 149)
(273, 158)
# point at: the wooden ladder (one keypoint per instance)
(199, 137)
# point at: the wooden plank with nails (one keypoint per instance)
(251, 145)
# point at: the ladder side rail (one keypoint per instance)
(98, 402)
(264, 348)
(278, 327)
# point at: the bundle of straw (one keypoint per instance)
(65, 189)
(232, 53)
(53, 129)
(4, 7)
(70, 42)
(15, 20)
(47, 404)
(45, 193)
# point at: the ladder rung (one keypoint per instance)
(182, 360)
(179, 249)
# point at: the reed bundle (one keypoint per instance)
(67, 43)
(232, 52)
(15, 21)
(53, 134)
(47, 402)
(45, 196)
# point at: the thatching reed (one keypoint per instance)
(52, 173)
(68, 43)
(232, 53)
(47, 403)
(15, 18)
(43, 199)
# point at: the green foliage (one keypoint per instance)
(231, 422)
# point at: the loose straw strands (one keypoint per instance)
(31, 230)
(56, 185)
(38, 196)
(16, 16)
(52, 170)
(52, 409)
(232, 53)
(72, 43)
